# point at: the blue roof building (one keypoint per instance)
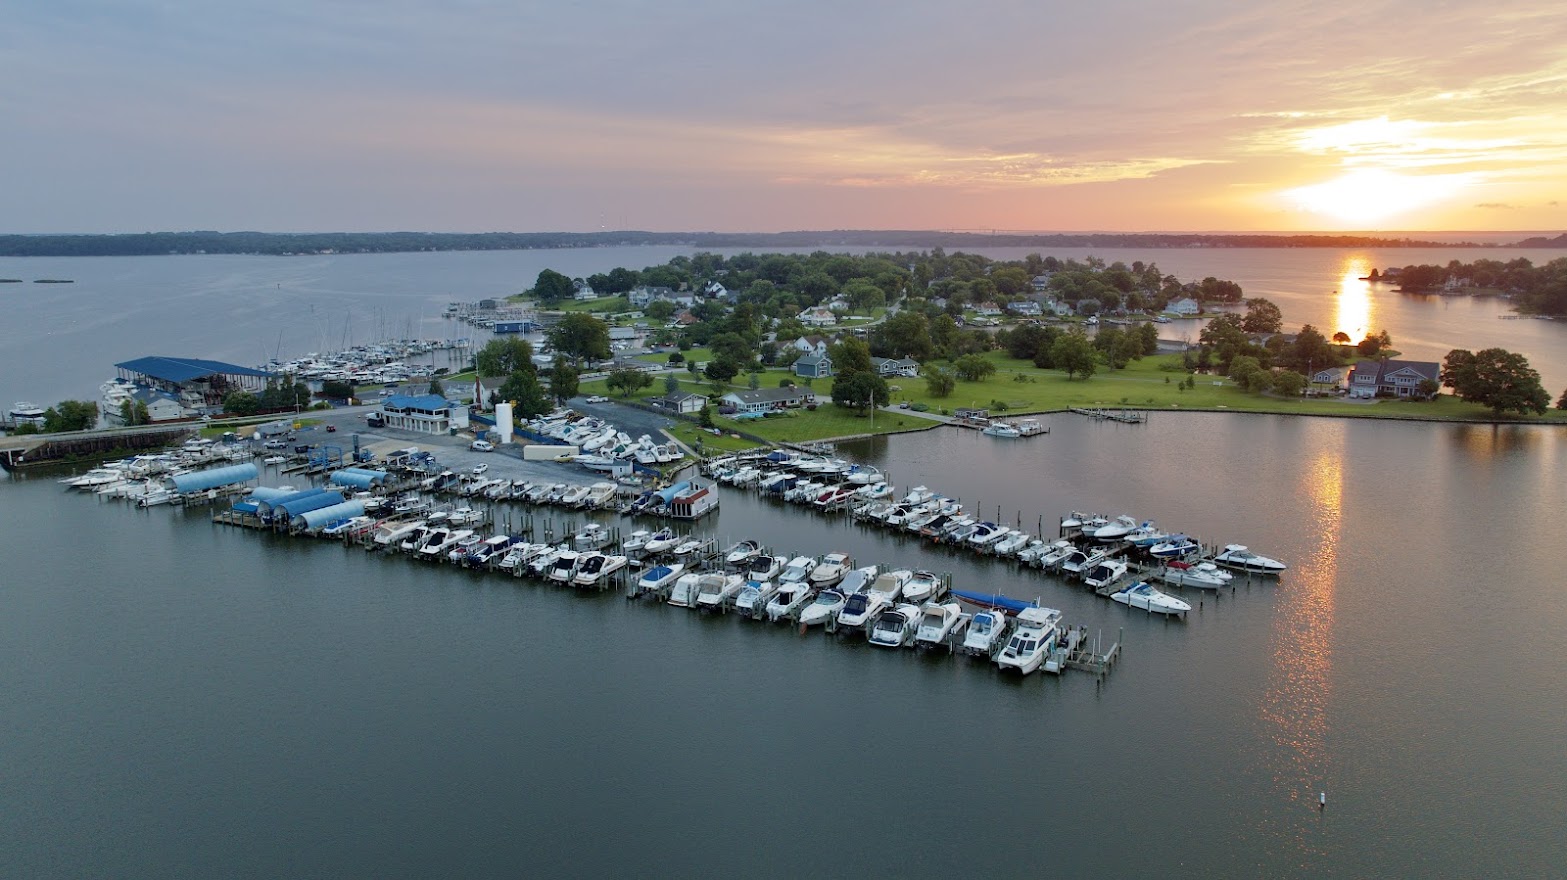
(427, 414)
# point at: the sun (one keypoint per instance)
(1366, 196)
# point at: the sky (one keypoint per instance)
(697, 115)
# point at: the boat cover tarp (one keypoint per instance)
(992, 600)
(201, 481)
(299, 506)
(324, 516)
(665, 495)
(270, 493)
(266, 505)
(358, 478)
(246, 507)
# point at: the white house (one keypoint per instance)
(681, 402)
(812, 344)
(818, 316)
(428, 414)
(895, 367)
(768, 399)
(1184, 306)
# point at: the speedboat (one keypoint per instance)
(688, 547)
(864, 475)
(1037, 631)
(788, 598)
(661, 540)
(1115, 529)
(542, 563)
(659, 576)
(1105, 573)
(798, 571)
(874, 491)
(596, 567)
(987, 534)
(1197, 575)
(860, 608)
(889, 585)
(985, 632)
(1238, 557)
(754, 596)
(564, 568)
(465, 545)
(636, 541)
(937, 623)
(715, 589)
(1145, 535)
(765, 568)
(830, 570)
(895, 627)
(1011, 544)
(684, 593)
(824, 607)
(1080, 562)
(391, 534)
(1054, 554)
(1143, 595)
(742, 553)
(593, 536)
(856, 580)
(1002, 429)
(1174, 547)
(921, 586)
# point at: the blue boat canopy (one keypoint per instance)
(302, 505)
(201, 481)
(320, 517)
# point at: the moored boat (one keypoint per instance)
(1237, 556)
(1143, 595)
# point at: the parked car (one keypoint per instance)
(598, 398)
(480, 468)
(331, 429)
(482, 446)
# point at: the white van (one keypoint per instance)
(482, 446)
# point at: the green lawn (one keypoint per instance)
(662, 357)
(593, 306)
(696, 438)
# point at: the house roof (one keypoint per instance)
(768, 395)
(171, 369)
(424, 402)
(814, 358)
(682, 396)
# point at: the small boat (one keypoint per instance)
(661, 541)
(765, 568)
(1005, 430)
(860, 608)
(888, 586)
(593, 536)
(564, 568)
(392, 534)
(830, 570)
(596, 567)
(754, 596)
(715, 589)
(1105, 573)
(742, 553)
(1143, 595)
(273, 459)
(937, 623)
(687, 547)
(467, 544)
(1037, 631)
(788, 598)
(895, 627)
(1054, 554)
(157, 496)
(636, 541)
(985, 631)
(1196, 575)
(1174, 547)
(684, 593)
(1079, 562)
(856, 580)
(574, 496)
(542, 563)
(921, 586)
(1114, 530)
(823, 608)
(986, 534)
(1238, 557)
(798, 571)
(1145, 535)
(659, 576)
(1011, 544)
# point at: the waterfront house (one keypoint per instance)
(1392, 378)
(812, 344)
(485, 387)
(639, 297)
(769, 399)
(813, 366)
(1185, 306)
(680, 402)
(987, 309)
(818, 316)
(1025, 307)
(888, 368)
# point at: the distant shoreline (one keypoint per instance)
(323, 243)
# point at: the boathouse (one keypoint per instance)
(197, 385)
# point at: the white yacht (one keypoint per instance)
(1143, 595)
(789, 597)
(889, 585)
(661, 540)
(1115, 529)
(635, 541)
(985, 632)
(1104, 574)
(754, 596)
(742, 553)
(856, 580)
(896, 626)
(921, 585)
(1036, 635)
(830, 570)
(798, 571)
(937, 623)
(391, 534)
(1080, 562)
(595, 567)
(823, 608)
(1005, 430)
(1238, 557)
(684, 593)
(659, 576)
(564, 568)
(715, 589)
(859, 609)
(765, 568)
(1196, 575)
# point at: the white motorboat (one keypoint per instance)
(661, 541)
(1195, 575)
(1036, 635)
(1011, 544)
(540, 565)
(391, 534)
(687, 547)
(741, 554)
(659, 576)
(896, 626)
(1238, 557)
(716, 589)
(860, 608)
(921, 586)
(157, 496)
(765, 568)
(564, 568)
(986, 534)
(412, 539)
(1104, 574)
(754, 596)
(465, 545)
(1005, 430)
(864, 475)
(1146, 535)
(1080, 562)
(273, 460)
(635, 541)
(593, 536)
(830, 570)
(823, 608)
(788, 598)
(1174, 547)
(938, 621)
(1143, 595)
(985, 632)
(1054, 554)
(874, 491)
(888, 586)
(1115, 529)
(430, 537)
(684, 593)
(574, 496)
(596, 567)
(856, 580)
(798, 571)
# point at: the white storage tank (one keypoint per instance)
(503, 425)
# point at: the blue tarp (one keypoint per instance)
(268, 504)
(270, 493)
(665, 494)
(201, 481)
(323, 516)
(186, 369)
(358, 478)
(302, 505)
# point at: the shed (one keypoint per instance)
(201, 481)
(322, 516)
(266, 506)
(301, 506)
(358, 478)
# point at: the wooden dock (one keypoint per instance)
(1124, 416)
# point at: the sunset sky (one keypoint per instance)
(126, 116)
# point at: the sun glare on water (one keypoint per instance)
(1366, 196)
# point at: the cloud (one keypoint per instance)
(1496, 206)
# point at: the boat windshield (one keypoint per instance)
(856, 604)
(828, 598)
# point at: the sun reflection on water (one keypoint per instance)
(1352, 302)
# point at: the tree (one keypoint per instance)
(628, 380)
(1497, 378)
(1242, 369)
(1309, 352)
(553, 288)
(1148, 336)
(436, 387)
(1561, 402)
(502, 357)
(336, 389)
(860, 390)
(1372, 345)
(581, 336)
(721, 370)
(905, 334)
(704, 416)
(671, 384)
(241, 403)
(1073, 353)
(939, 382)
(564, 378)
(525, 392)
(660, 310)
(850, 355)
(70, 415)
(973, 368)
(1341, 338)
(1289, 383)
(1262, 316)
(1125, 350)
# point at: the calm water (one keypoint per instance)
(60, 341)
(183, 699)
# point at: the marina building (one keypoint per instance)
(427, 414)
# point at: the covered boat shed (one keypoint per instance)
(213, 478)
(301, 506)
(189, 378)
(321, 517)
(358, 478)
